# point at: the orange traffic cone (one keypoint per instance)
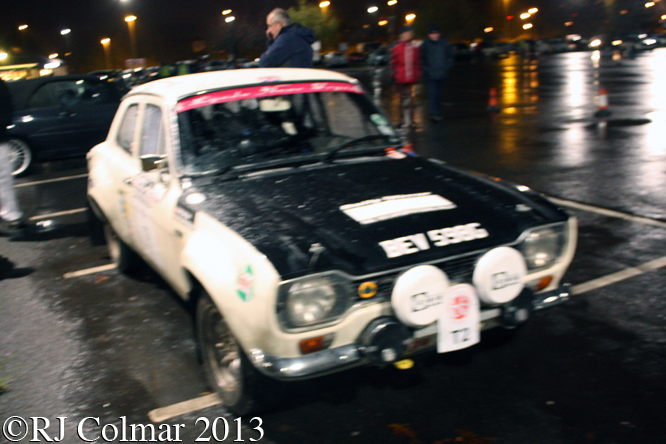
(602, 104)
(493, 107)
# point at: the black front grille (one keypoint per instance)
(458, 270)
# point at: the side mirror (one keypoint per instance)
(150, 162)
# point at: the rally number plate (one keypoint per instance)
(458, 326)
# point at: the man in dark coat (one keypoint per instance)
(288, 43)
(10, 214)
(437, 57)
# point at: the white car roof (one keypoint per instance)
(175, 88)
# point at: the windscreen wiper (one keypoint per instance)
(331, 154)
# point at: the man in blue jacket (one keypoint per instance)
(288, 43)
(437, 58)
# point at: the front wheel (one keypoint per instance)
(20, 156)
(227, 368)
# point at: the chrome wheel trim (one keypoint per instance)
(19, 156)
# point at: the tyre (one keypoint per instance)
(20, 156)
(227, 368)
(121, 254)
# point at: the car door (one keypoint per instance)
(154, 194)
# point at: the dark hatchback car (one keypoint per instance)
(59, 117)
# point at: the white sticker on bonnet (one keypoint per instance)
(390, 207)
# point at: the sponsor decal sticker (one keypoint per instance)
(423, 301)
(256, 92)
(438, 238)
(245, 283)
(391, 207)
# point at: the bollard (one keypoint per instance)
(493, 107)
(602, 104)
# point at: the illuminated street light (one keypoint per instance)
(663, 17)
(649, 4)
(373, 9)
(65, 31)
(382, 22)
(106, 43)
(525, 15)
(230, 19)
(488, 29)
(226, 12)
(324, 4)
(568, 24)
(410, 17)
(130, 19)
(527, 26)
(53, 56)
(392, 2)
(533, 10)
(23, 27)
(3, 56)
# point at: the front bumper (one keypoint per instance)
(348, 356)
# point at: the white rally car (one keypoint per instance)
(282, 203)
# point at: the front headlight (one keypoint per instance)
(543, 246)
(313, 300)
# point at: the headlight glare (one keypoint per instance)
(543, 246)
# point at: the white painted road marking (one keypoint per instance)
(182, 408)
(607, 212)
(619, 276)
(57, 179)
(87, 271)
(57, 214)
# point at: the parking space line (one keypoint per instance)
(607, 212)
(182, 408)
(57, 214)
(58, 179)
(621, 275)
(88, 271)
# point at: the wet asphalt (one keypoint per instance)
(593, 370)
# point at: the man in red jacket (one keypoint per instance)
(406, 71)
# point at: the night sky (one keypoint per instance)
(163, 27)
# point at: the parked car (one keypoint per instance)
(380, 57)
(284, 206)
(461, 51)
(334, 59)
(59, 117)
(357, 57)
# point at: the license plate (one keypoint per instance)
(458, 326)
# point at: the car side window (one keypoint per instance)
(126, 132)
(152, 133)
(45, 96)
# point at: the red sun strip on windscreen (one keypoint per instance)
(257, 92)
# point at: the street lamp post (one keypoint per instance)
(65, 35)
(106, 43)
(130, 19)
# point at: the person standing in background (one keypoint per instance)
(437, 57)
(288, 43)
(11, 217)
(405, 72)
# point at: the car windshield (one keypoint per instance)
(252, 125)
